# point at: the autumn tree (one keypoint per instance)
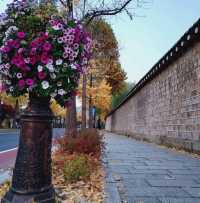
(104, 63)
(87, 11)
(120, 96)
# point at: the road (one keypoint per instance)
(10, 139)
(9, 143)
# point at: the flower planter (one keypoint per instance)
(32, 173)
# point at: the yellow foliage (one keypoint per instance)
(57, 109)
(101, 97)
(7, 99)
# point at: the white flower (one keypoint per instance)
(4, 72)
(11, 89)
(73, 66)
(61, 92)
(50, 61)
(59, 62)
(65, 65)
(59, 84)
(53, 76)
(40, 68)
(53, 94)
(27, 60)
(50, 67)
(45, 85)
(7, 65)
(19, 75)
(8, 82)
(56, 27)
(13, 28)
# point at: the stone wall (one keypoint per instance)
(167, 108)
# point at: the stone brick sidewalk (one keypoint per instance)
(140, 172)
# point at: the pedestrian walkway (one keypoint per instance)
(138, 172)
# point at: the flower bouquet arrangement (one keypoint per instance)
(41, 51)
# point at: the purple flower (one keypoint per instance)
(21, 84)
(65, 55)
(29, 82)
(44, 59)
(47, 46)
(21, 35)
(5, 49)
(41, 75)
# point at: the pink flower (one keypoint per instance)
(5, 49)
(21, 83)
(44, 58)
(2, 88)
(29, 82)
(18, 60)
(20, 50)
(33, 60)
(33, 51)
(34, 43)
(21, 35)
(10, 42)
(47, 46)
(41, 75)
(65, 55)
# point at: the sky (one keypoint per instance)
(145, 39)
(154, 30)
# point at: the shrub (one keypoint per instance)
(87, 141)
(77, 169)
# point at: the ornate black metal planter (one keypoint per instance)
(31, 180)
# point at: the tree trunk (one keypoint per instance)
(90, 106)
(70, 128)
(71, 118)
(83, 126)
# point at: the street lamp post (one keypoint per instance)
(31, 180)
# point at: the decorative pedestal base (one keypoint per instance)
(44, 197)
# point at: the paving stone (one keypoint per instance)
(150, 174)
(151, 171)
(112, 194)
(157, 192)
(184, 172)
(172, 183)
(143, 200)
(194, 192)
(179, 200)
(137, 182)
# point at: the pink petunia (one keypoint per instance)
(16, 44)
(29, 82)
(47, 46)
(5, 49)
(41, 75)
(44, 58)
(21, 35)
(20, 50)
(34, 43)
(18, 60)
(21, 83)
(33, 51)
(33, 60)
(2, 88)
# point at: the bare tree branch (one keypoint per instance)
(96, 13)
